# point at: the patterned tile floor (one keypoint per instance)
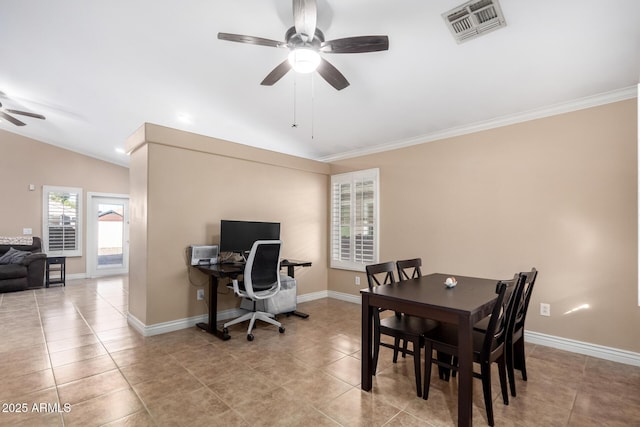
(69, 358)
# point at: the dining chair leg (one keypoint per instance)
(405, 347)
(376, 351)
(518, 357)
(510, 369)
(396, 346)
(417, 345)
(445, 373)
(503, 380)
(428, 353)
(486, 390)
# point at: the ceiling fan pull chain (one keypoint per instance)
(313, 96)
(295, 123)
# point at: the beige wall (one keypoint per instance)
(25, 161)
(192, 182)
(557, 193)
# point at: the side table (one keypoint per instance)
(55, 265)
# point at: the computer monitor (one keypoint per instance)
(238, 236)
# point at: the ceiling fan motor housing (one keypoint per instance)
(295, 39)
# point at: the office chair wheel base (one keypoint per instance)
(249, 337)
(281, 330)
(225, 333)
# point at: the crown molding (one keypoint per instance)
(538, 113)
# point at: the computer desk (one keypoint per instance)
(221, 271)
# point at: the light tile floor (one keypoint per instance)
(69, 358)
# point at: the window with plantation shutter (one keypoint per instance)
(354, 219)
(62, 225)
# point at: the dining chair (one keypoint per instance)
(399, 326)
(409, 268)
(488, 347)
(515, 342)
(515, 353)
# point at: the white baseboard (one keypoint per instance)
(567, 344)
(345, 297)
(580, 347)
(574, 346)
(176, 325)
(312, 296)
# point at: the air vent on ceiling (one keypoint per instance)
(474, 18)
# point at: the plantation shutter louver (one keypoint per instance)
(354, 219)
(61, 220)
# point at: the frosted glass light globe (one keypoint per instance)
(304, 60)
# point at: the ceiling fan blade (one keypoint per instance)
(250, 40)
(277, 73)
(305, 14)
(25, 113)
(332, 75)
(358, 44)
(11, 119)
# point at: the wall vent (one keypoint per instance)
(473, 19)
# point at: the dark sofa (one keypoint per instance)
(29, 273)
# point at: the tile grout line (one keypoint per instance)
(46, 343)
(144, 405)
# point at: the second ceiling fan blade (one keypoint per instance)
(332, 75)
(305, 14)
(11, 119)
(26, 113)
(277, 73)
(360, 44)
(250, 40)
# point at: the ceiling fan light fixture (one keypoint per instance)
(304, 59)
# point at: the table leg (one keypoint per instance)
(465, 382)
(212, 326)
(366, 357)
(290, 273)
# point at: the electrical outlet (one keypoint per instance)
(200, 294)
(545, 309)
(27, 231)
(357, 280)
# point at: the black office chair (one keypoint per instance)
(400, 326)
(488, 347)
(261, 282)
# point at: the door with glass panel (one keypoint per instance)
(108, 245)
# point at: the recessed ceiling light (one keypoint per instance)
(121, 150)
(184, 118)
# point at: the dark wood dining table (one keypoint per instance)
(427, 296)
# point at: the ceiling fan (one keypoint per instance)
(11, 119)
(305, 43)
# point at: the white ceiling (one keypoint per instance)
(99, 69)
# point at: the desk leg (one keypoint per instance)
(366, 356)
(212, 326)
(290, 272)
(465, 382)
